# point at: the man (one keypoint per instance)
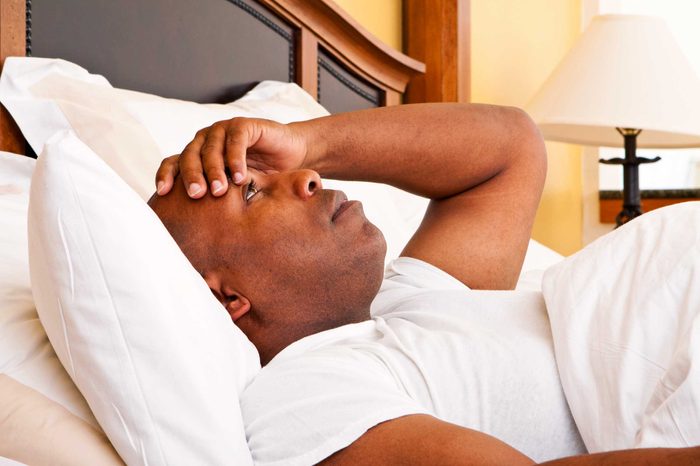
(413, 374)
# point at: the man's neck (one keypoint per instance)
(293, 333)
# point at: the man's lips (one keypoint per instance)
(341, 204)
(343, 207)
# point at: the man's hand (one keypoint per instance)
(234, 145)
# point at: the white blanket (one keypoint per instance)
(625, 316)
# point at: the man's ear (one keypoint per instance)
(235, 303)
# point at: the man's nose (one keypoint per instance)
(305, 183)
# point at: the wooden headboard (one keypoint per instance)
(216, 50)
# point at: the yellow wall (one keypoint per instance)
(381, 17)
(515, 45)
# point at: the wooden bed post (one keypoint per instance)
(436, 32)
(307, 62)
(12, 43)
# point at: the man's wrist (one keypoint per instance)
(315, 146)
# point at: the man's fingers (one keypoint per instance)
(166, 174)
(237, 144)
(223, 145)
(191, 168)
(213, 160)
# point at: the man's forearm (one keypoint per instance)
(640, 457)
(434, 150)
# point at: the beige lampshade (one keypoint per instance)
(625, 71)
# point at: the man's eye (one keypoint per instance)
(250, 190)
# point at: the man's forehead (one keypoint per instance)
(173, 202)
(177, 201)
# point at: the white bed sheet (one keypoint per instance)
(625, 316)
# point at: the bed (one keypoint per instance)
(209, 51)
(202, 53)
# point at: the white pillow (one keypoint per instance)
(28, 363)
(625, 317)
(37, 430)
(25, 352)
(154, 353)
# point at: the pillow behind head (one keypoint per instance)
(154, 353)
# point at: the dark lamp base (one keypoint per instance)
(631, 206)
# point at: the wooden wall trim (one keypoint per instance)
(464, 48)
(437, 33)
(609, 208)
(12, 44)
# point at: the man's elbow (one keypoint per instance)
(525, 143)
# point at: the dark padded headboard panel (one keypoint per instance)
(339, 90)
(199, 50)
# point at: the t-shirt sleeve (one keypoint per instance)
(302, 410)
(420, 274)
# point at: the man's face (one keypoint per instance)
(303, 256)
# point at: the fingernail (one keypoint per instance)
(237, 177)
(159, 187)
(216, 186)
(194, 189)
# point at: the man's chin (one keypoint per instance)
(376, 254)
(383, 247)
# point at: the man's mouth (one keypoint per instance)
(341, 205)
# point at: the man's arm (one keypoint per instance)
(641, 457)
(424, 440)
(482, 166)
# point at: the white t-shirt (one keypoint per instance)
(480, 359)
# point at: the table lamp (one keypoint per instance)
(625, 83)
